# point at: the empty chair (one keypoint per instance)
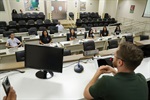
(88, 45)
(19, 38)
(78, 22)
(25, 17)
(83, 25)
(55, 21)
(42, 28)
(23, 30)
(33, 17)
(13, 30)
(20, 56)
(90, 25)
(12, 24)
(3, 25)
(31, 22)
(7, 33)
(144, 37)
(2, 31)
(87, 28)
(67, 53)
(41, 16)
(39, 22)
(32, 31)
(112, 44)
(47, 23)
(53, 29)
(22, 23)
(129, 38)
(71, 15)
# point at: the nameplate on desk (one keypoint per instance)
(2, 53)
(91, 52)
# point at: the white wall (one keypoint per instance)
(20, 5)
(124, 9)
(111, 7)
(5, 15)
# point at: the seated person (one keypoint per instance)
(117, 30)
(125, 84)
(45, 38)
(13, 42)
(104, 32)
(60, 27)
(72, 35)
(11, 95)
(90, 34)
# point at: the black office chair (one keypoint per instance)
(55, 21)
(129, 38)
(144, 37)
(32, 31)
(42, 28)
(7, 33)
(23, 30)
(53, 29)
(47, 23)
(31, 23)
(87, 28)
(112, 44)
(13, 30)
(20, 56)
(88, 45)
(39, 23)
(67, 53)
(2, 31)
(67, 36)
(19, 38)
(3, 25)
(22, 23)
(12, 24)
(41, 16)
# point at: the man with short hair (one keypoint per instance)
(60, 27)
(125, 84)
(13, 42)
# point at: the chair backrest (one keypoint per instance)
(32, 31)
(31, 22)
(47, 21)
(13, 30)
(22, 22)
(2, 31)
(42, 28)
(112, 44)
(19, 38)
(144, 37)
(67, 52)
(12, 23)
(67, 36)
(129, 38)
(53, 29)
(23, 30)
(7, 33)
(88, 45)
(20, 56)
(3, 24)
(39, 22)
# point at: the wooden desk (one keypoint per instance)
(144, 42)
(107, 52)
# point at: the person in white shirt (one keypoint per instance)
(13, 42)
(60, 27)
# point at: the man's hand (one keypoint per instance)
(11, 95)
(106, 69)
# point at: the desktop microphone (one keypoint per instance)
(78, 68)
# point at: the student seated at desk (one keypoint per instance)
(117, 30)
(13, 42)
(45, 38)
(125, 84)
(72, 35)
(104, 32)
(60, 27)
(90, 34)
(11, 95)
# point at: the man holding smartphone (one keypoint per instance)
(11, 95)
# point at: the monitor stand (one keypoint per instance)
(44, 74)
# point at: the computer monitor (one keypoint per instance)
(44, 58)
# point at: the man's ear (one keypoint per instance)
(120, 63)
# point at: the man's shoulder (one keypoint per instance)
(139, 75)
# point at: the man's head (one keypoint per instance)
(12, 35)
(128, 56)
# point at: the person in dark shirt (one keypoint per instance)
(72, 35)
(104, 32)
(125, 84)
(90, 34)
(117, 30)
(45, 38)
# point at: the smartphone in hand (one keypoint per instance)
(6, 85)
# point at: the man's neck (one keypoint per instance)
(125, 70)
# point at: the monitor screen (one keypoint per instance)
(44, 57)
